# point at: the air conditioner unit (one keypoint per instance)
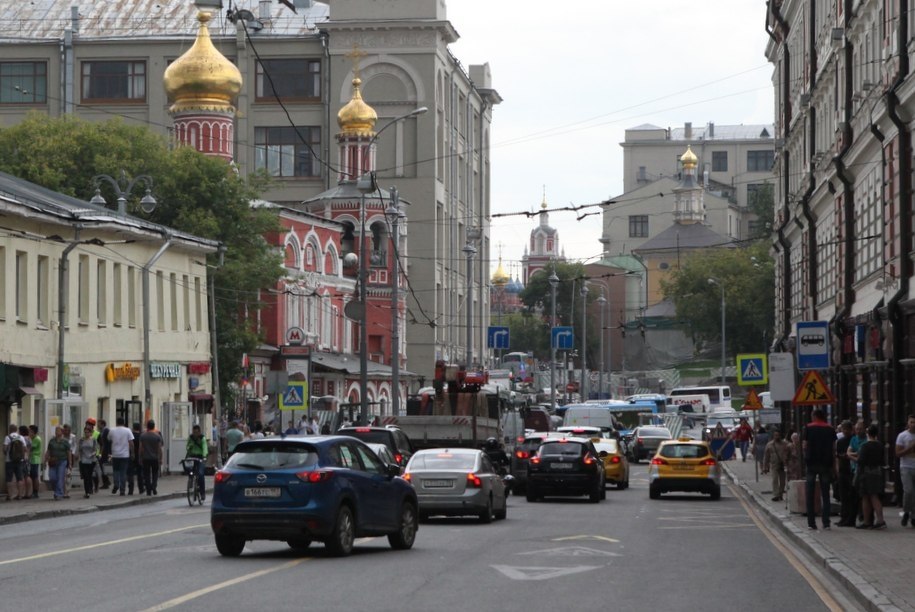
(838, 34)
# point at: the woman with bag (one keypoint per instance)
(86, 450)
(57, 457)
(869, 480)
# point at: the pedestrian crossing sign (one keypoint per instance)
(752, 369)
(295, 396)
(813, 391)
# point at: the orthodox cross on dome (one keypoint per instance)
(543, 203)
(356, 56)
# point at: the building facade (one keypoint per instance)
(102, 59)
(843, 243)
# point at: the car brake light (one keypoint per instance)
(638, 440)
(315, 476)
(221, 477)
(535, 460)
(363, 429)
(522, 454)
(519, 439)
(709, 461)
(588, 460)
(658, 461)
(398, 458)
(615, 459)
(407, 476)
(473, 480)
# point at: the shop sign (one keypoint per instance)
(199, 367)
(193, 382)
(127, 371)
(164, 370)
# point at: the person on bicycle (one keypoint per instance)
(496, 453)
(197, 448)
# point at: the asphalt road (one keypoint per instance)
(683, 552)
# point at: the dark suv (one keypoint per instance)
(524, 450)
(395, 439)
(566, 466)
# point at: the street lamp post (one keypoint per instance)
(583, 390)
(393, 213)
(554, 283)
(714, 281)
(469, 251)
(600, 385)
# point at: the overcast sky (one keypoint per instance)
(575, 75)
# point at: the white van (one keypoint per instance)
(719, 395)
(589, 415)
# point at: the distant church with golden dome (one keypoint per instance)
(543, 246)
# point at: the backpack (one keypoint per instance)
(17, 449)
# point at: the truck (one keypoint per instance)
(459, 411)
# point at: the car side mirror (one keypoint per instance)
(393, 470)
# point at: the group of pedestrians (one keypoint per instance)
(22, 454)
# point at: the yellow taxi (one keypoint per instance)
(684, 464)
(616, 466)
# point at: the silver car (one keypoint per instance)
(457, 482)
(646, 440)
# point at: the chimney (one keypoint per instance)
(263, 10)
(688, 131)
(711, 130)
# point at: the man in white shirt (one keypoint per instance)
(121, 440)
(905, 450)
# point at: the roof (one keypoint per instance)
(25, 199)
(726, 132)
(349, 364)
(43, 20)
(685, 236)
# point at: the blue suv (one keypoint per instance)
(301, 489)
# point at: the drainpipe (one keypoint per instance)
(325, 138)
(146, 268)
(63, 296)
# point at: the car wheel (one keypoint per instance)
(486, 515)
(716, 493)
(503, 513)
(621, 485)
(229, 546)
(531, 495)
(519, 489)
(299, 544)
(654, 492)
(603, 492)
(594, 496)
(340, 542)
(423, 517)
(403, 538)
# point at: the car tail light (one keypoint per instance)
(658, 461)
(638, 440)
(315, 476)
(588, 460)
(709, 461)
(519, 439)
(522, 454)
(363, 429)
(473, 480)
(615, 459)
(535, 460)
(221, 477)
(398, 458)
(407, 476)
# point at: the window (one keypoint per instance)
(41, 295)
(186, 292)
(116, 294)
(3, 289)
(23, 82)
(114, 81)
(131, 296)
(760, 161)
(289, 79)
(160, 300)
(101, 292)
(173, 299)
(283, 152)
(82, 293)
(638, 226)
(198, 303)
(719, 161)
(22, 286)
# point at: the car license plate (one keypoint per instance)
(683, 468)
(438, 484)
(262, 492)
(561, 466)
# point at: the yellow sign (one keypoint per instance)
(813, 391)
(752, 369)
(752, 402)
(295, 396)
(127, 371)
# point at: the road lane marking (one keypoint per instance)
(587, 537)
(177, 601)
(793, 559)
(542, 573)
(571, 551)
(101, 544)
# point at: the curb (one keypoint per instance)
(858, 586)
(58, 512)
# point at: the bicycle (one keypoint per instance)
(194, 492)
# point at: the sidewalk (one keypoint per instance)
(875, 566)
(169, 487)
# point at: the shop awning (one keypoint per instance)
(200, 397)
(31, 391)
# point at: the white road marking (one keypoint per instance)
(586, 537)
(542, 573)
(572, 551)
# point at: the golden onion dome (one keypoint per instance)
(357, 118)
(202, 78)
(500, 277)
(689, 159)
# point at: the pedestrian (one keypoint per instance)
(134, 471)
(258, 430)
(760, 441)
(905, 451)
(315, 428)
(775, 460)
(325, 429)
(848, 497)
(870, 481)
(87, 451)
(70, 437)
(304, 426)
(35, 459)
(26, 460)
(743, 435)
(196, 448)
(105, 450)
(234, 435)
(121, 447)
(857, 440)
(223, 427)
(14, 455)
(151, 457)
(793, 466)
(819, 461)
(97, 468)
(291, 430)
(57, 457)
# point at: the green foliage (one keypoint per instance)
(749, 293)
(762, 204)
(196, 194)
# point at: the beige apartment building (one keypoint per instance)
(100, 60)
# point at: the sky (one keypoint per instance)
(575, 75)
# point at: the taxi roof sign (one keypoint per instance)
(813, 391)
(752, 402)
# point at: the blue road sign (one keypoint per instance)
(562, 338)
(497, 337)
(812, 345)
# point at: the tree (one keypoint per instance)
(761, 202)
(747, 275)
(197, 194)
